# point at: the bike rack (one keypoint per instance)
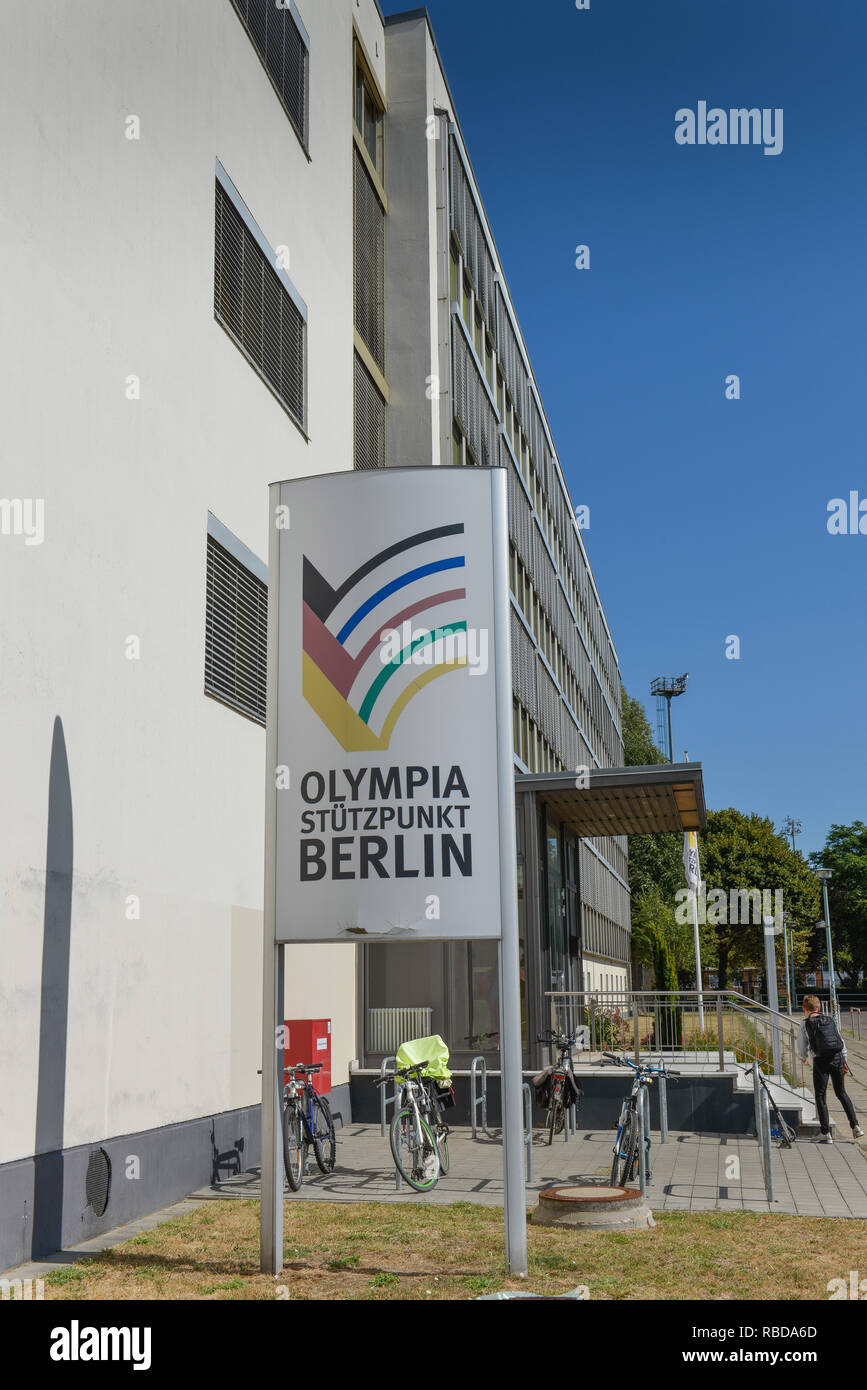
(642, 1108)
(763, 1131)
(476, 1099)
(663, 1109)
(528, 1127)
(384, 1102)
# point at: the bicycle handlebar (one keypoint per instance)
(641, 1069)
(401, 1072)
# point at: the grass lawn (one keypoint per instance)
(387, 1251)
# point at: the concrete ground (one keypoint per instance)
(691, 1172)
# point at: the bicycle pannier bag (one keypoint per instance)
(445, 1095)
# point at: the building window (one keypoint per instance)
(254, 305)
(369, 277)
(369, 420)
(280, 39)
(369, 119)
(236, 633)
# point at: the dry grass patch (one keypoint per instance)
(383, 1251)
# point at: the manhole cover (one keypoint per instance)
(593, 1206)
(98, 1181)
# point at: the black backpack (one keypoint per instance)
(824, 1037)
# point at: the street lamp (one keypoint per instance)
(824, 875)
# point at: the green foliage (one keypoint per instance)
(670, 1022)
(639, 749)
(742, 852)
(845, 854)
(653, 910)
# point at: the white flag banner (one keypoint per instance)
(690, 860)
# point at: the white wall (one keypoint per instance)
(109, 246)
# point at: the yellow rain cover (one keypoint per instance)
(432, 1050)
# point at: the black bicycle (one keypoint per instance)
(556, 1086)
(624, 1168)
(306, 1121)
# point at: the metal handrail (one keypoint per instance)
(612, 1018)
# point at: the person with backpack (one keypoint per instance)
(820, 1036)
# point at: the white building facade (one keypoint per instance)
(235, 223)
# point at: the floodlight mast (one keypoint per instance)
(667, 688)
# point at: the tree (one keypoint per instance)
(652, 913)
(740, 853)
(670, 1014)
(845, 854)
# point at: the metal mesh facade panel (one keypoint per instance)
(236, 634)
(253, 306)
(369, 273)
(278, 41)
(369, 420)
(472, 405)
(467, 227)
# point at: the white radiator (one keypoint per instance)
(388, 1028)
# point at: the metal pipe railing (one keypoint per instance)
(617, 1019)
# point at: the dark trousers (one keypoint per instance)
(823, 1067)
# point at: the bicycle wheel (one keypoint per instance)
(293, 1146)
(442, 1142)
(625, 1154)
(414, 1150)
(441, 1134)
(324, 1142)
(555, 1119)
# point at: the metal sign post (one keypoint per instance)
(390, 807)
(511, 1054)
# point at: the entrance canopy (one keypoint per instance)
(623, 800)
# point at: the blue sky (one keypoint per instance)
(708, 516)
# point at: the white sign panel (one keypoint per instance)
(386, 785)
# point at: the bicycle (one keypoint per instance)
(557, 1078)
(306, 1121)
(418, 1133)
(782, 1131)
(624, 1168)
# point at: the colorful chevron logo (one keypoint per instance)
(346, 678)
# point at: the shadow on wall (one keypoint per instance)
(230, 1160)
(57, 930)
